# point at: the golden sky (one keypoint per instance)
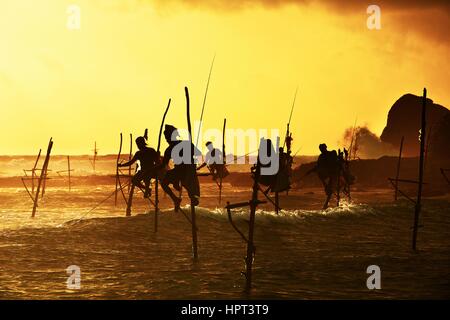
(117, 72)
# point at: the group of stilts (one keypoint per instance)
(332, 168)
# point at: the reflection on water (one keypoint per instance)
(300, 253)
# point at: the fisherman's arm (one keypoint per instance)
(129, 163)
(165, 160)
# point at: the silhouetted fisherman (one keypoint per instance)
(289, 159)
(148, 159)
(183, 173)
(288, 141)
(214, 162)
(283, 182)
(266, 151)
(327, 169)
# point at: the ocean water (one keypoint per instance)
(301, 253)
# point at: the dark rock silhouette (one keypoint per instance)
(404, 120)
(439, 150)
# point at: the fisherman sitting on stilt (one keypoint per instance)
(148, 158)
(184, 172)
(277, 180)
(283, 177)
(214, 162)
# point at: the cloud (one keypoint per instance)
(430, 19)
(336, 4)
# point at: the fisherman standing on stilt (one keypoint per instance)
(330, 167)
(148, 159)
(182, 174)
(327, 170)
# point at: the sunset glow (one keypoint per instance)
(117, 72)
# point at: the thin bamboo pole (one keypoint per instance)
(223, 160)
(398, 168)
(158, 154)
(95, 154)
(338, 182)
(33, 171)
(251, 227)
(129, 158)
(42, 177)
(68, 166)
(421, 161)
(193, 217)
(117, 169)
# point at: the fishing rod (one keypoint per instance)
(290, 117)
(204, 100)
(101, 202)
(298, 151)
(249, 153)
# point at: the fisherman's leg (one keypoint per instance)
(130, 200)
(192, 185)
(137, 180)
(195, 198)
(168, 179)
(148, 190)
(214, 171)
(327, 200)
(176, 177)
(328, 192)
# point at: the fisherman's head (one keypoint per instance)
(141, 143)
(323, 147)
(209, 145)
(170, 133)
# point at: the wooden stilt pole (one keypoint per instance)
(397, 176)
(157, 178)
(117, 170)
(224, 161)
(44, 183)
(427, 147)
(130, 200)
(42, 177)
(444, 175)
(338, 182)
(277, 202)
(193, 168)
(33, 171)
(251, 229)
(253, 203)
(68, 171)
(129, 158)
(95, 153)
(421, 161)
